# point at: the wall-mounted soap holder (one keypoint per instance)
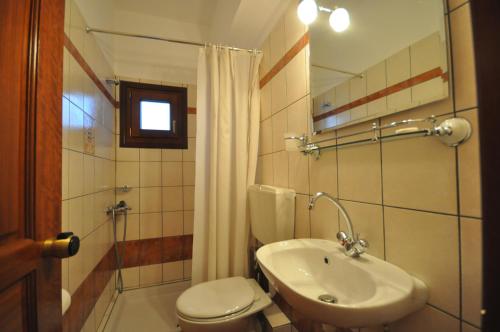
(123, 189)
(451, 132)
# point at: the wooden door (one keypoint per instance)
(31, 46)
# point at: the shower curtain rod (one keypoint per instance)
(170, 40)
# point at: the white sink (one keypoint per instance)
(368, 290)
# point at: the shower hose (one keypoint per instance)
(119, 258)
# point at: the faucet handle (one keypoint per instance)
(364, 243)
(342, 238)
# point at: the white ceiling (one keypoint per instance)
(240, 23)
(379, 29)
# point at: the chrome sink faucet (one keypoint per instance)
(354, 246)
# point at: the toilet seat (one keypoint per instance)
(217, 299)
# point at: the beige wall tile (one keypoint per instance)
(266, 137)
(190, 153)
(268, 169)
(277, 42)
(88, 174)
(130, 277)
(471, 240)
(265, 102)
(172, 199)
(298, 172)
(368, 222)
(342, 94)
(188, 222)
(150, 225)
(75, 83)
(150, 274)
(298, 117)
(265, 64)
(324, 220)
(65, 174)
(171, 155)
(398, 70)
(469, 328)
(419, 173)
(89, 223)
(428, 319)
(76, 27)
(187, 269)
(171, 173)
(191, 125)
(173, 271)
(133, 229)
(150, 199)
(279, 124)
(302, 220)
(278, 92)
(188, 192)
(425, 54)
(126, 154)
(280, 169)
(376, 78)
(188, 173)
(150, 154)
(192, 95)
(75, 268)
(127, 173)
(463, 58)
(75, 174)
(323, 173)
(412, 240)
(295, 72)
(173, 223)
(65, 216)
(359, 174)
(76, 215)
(469, 169)
(150, 174)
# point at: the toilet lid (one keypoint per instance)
(216, 298)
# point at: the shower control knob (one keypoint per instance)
(65, 245)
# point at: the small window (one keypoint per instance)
(153, 116)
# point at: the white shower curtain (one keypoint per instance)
(227, 137)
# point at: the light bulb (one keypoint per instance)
(339, 19)
(307, 11)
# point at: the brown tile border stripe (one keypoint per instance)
(191, 110)
(157, 250)
(85, 66)
(289, 55)
(87, 294)
(137, 252)
(424, 77)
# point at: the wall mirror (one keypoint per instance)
(392, 57)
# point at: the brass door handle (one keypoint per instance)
(64, 245)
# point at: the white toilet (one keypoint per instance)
(228, 305)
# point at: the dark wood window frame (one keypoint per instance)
(131, 134)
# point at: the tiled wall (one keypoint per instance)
(161, 198)
(88, 161)
(416, 201)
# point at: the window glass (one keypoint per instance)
(155, 115)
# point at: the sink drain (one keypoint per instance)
(328, 298)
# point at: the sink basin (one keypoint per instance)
(355, 292)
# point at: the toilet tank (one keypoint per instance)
(272, 213)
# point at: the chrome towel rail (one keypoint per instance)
(451, 132)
